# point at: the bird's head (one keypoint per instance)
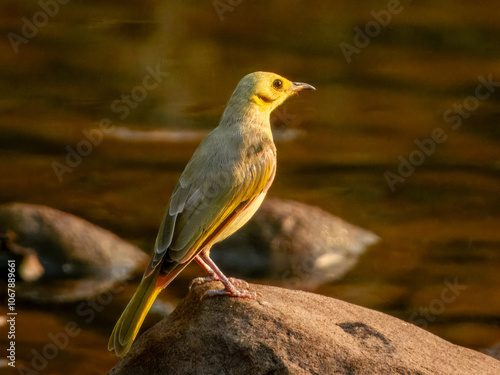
(267, 90)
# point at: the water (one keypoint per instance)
(411, 97)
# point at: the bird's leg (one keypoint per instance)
(215, 274)
(202, 280)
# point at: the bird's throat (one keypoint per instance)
(265, 104)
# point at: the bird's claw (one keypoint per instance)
(202, 280)
(229, 287)
(232, 293)
(207, 279)
(241, 282)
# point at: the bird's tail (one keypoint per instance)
(130, 321)
(132, 317)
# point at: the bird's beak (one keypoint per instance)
(299, 86)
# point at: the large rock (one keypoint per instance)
(292, 332)
(293, 244)
(61, 257)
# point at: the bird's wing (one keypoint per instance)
(197, 212)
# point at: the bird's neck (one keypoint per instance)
(248, 118)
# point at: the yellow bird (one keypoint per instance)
(220, 189)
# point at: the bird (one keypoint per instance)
(220, 189)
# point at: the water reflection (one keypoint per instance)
(439, 224)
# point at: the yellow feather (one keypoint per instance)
(130, 322)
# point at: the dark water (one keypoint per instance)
(402, 137)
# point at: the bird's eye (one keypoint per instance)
(278, 84)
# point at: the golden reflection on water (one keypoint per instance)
(440, 224)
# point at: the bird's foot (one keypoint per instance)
(214, 274)
(202, 280)
(241, 283)
(208, 279)
(233, 292)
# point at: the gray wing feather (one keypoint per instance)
(187, 211)
(192, 211)
(200, 211)
(166, 231)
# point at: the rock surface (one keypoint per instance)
(297, 245)
(61, 257)
(292, 332)
(493, 351)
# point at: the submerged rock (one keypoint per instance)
(292, 332)
(61, 257)
(295, 244)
